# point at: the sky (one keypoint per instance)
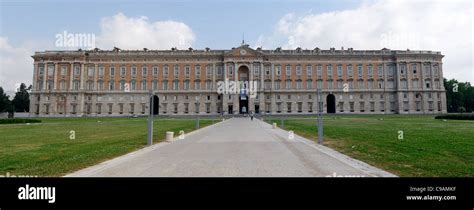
(27, 26)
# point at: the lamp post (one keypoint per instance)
(150, 119)
(320, 117)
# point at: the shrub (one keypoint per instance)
(18, 120)
(456, 116)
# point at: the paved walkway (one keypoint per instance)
(235, 147)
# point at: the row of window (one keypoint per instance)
(369, 70)
(197, 85)
(279, 107)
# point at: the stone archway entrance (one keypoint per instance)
(243, 77)
(331, 103)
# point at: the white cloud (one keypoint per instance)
(16, 64)
(138, 33)
(445, 26)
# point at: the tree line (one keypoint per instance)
(459, 95)
(20, 103)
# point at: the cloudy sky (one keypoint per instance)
(27, 26)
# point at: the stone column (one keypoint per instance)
(45, 75)
(272, 74)
(262, 74)
(96, 69)
(213, 90)
(71, 76)
(251, 106)
(213, 71)
(262, 96)
(386, 96)
(35, 77)
(399, 93)
(82, 76)
(272, 86)
(225, 98)
(236, 99)
(55, 76)
(422, 79)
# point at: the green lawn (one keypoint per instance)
(430, 147)
(44, 149)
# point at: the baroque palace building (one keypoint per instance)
(185, 82)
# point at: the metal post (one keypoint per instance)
(197, 123)
(150, 119)
(320, 117)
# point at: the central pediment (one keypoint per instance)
(243, 51)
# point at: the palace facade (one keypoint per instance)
(118, 82)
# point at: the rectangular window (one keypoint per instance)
(349, 71)
(329, 71)
(166, 71)
(339, 70)
(176, 70)
(256, 70)
(298, 70)
(319, 70)
(77, 70)
(155, 70)
(186, 71)
(278, 70)
(208, 70)
(197, 71)
(50, 70)
(112, 71)
(175, 85)
(391, 70)
(309, 70)
(427, 70)
(144, 71)
(380, 70)
(63, 70)
(288, 70)
(134, 71)
(90, 71)
(359, 70)
(370, 70)
(41, 70)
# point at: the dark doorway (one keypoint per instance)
(257, 109)
(230, 109)
(243, 105)
(156, 105)
(331, 103)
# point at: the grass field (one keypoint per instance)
(430, 147)
(45, 149)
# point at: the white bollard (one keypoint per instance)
(274, 125)
(222, 119)
(169, 135)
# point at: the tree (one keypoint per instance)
(459, 94)
(21, 101)
(4, 101)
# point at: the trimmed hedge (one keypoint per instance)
(18, 120)
(456, 116)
